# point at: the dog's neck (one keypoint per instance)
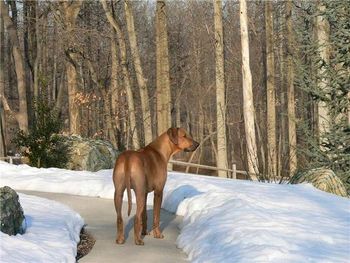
(165, 149)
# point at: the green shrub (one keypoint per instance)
(43, 145)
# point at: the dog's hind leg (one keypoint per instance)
(118, 200)
(119, 185)
(144, 217)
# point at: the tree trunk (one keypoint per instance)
(126, 76)
(292, 136)
(141, 81)
(248, 106)
(108, 118)
(322, 28)
(220, 90)
(282, 131)
(37, 57)
(2, 90)
(271, 92)
(22, 114)
(30, 50)
(59, 97)
(114, 89)
(74, 117)
(71, 11)
(162, 70)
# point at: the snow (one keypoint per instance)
(225, 220)
(52, 233)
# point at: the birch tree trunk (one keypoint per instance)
(322, 28)
(292, 136)
(22, 114)
(248, 106)
(126, 76)
(162, 70)
(71, 11)
(141, 81)
(271, 92)
(220, 90)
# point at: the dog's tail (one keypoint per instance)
(128, 187)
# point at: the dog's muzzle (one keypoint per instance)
(193, 147)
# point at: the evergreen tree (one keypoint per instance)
(331, 148)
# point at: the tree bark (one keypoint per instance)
(37, 57)
(141, 81)
(271, 92)
(2, 90)
(114, 89)
(111, 134)
(22, 114)
(126, 76)
(71, 11)
(248, 106)
(162, 70)
(282, 152)
(322, 28)
(59, 97)
(292, 136)
(220, 90)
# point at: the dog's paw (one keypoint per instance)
(120, 240)
(139, 242)
(158, 235)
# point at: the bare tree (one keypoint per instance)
(282, 147)
(162, 69)
(2, 90)
(126, 75)
(70, 12)
(146, 112)
(292, 136)
(114, 88)
(271, 92)
(22, 114)
(248, 106)
(220, 90)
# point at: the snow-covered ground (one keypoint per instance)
(225, 220)
(52, 233)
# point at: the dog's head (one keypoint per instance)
(182, 139)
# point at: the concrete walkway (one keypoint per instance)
(99, 215)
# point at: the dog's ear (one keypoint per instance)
(172, 133)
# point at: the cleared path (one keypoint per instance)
(99, 215)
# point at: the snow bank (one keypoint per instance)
(52, 233)
(55, 180)
(241, 221)
(225, 220)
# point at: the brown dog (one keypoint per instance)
(145, 171)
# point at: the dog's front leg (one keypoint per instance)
(158, 197)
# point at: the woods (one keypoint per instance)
(261, 84)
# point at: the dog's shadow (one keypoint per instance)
(165, 219)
